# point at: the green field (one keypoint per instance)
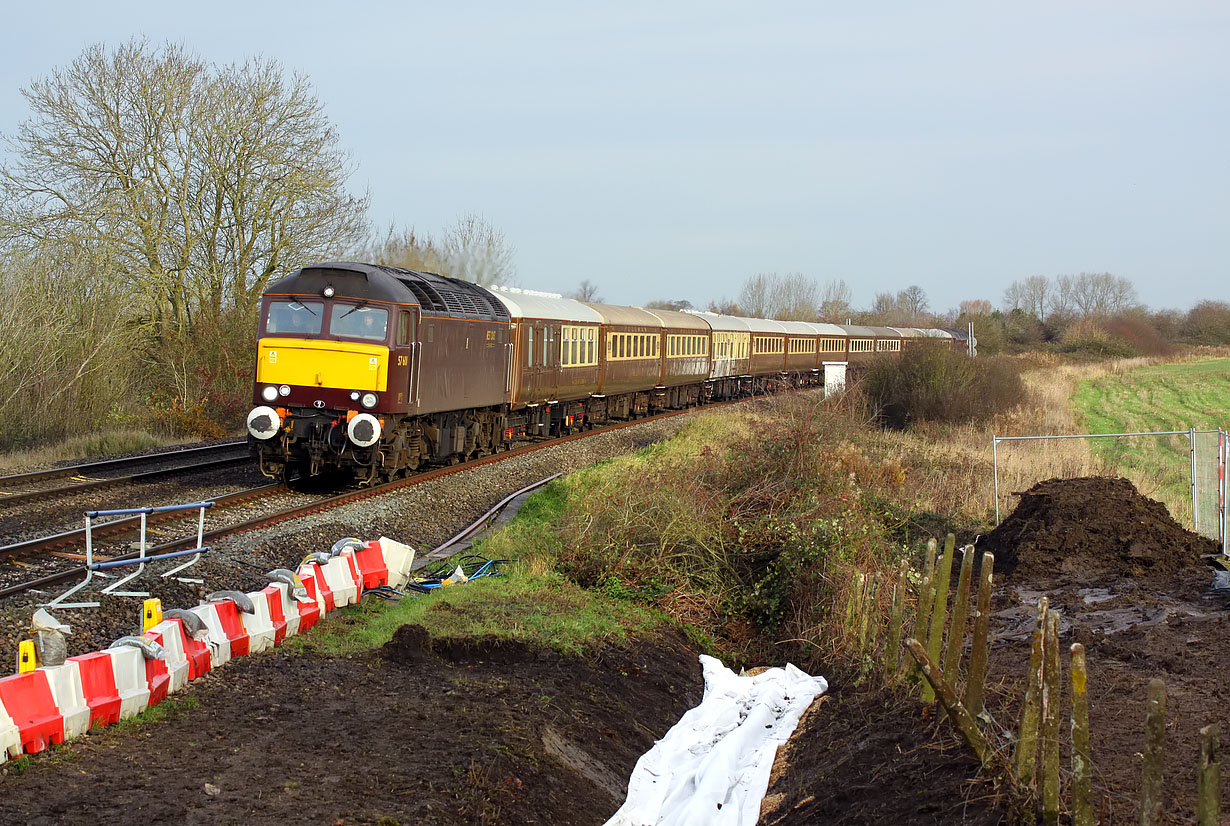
(1168, 397)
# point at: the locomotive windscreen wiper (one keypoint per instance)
(296, 304)
(355, 309)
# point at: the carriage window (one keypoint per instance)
(593, 346)
(529, 346)
(294, 317)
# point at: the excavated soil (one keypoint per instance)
(1095, 530)
(1134, 588)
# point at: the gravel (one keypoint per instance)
(422, 516)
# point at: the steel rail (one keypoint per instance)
(94, 467)
(210, 537)
(95, 484)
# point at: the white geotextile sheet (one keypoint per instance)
(713, 766)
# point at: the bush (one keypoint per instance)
(929, 382)
(1086, 339)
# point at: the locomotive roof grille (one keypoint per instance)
(448, 296)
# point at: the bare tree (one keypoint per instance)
(835, 300)
(1091, 294)
(1031, 295)
(913, 301)
(476, 251)
(976, 306)
(756, 297)
(587, 291)
(678, 305)
(198, 182)
(726, 307)
(404, 248)
(795, 298)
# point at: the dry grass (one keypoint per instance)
(86, 448)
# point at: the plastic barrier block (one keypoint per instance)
(196, 651)
(280, 607)
(158, 679)
(342, 581)
(98, 684)
(129, 666)
(258, 625)
(219, 645)
(232, 625)
(372, 567)
(398, 558)
(170, 635)
(28, 701)
(10, 737)
(323, 590)
(69, 694)
(309, 612)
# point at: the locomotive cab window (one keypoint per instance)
(403, 328)
(371, 323)
(302, 317)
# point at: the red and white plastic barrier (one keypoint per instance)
(52, 703)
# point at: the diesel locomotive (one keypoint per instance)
(381, 370)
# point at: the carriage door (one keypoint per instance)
(405, 357)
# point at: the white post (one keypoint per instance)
(995, 468)
(1191, 440)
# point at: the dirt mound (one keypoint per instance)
(1095, 530)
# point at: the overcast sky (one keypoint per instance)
(671, 149)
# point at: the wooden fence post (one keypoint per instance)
(935, 639)
(871, 613)
(1208, 778)
(982, 628)
(960, 610)
(1050, 722)
(1155, 755)
(1082, 759)
(961, 718)
(926, 594)
(1027, 737)
(892, 650)
(852, 606)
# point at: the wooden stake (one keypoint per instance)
(1155, 755)
(872, 610)
(948, 699)
(856, 598)
(1031, 710)
(926, 596)
(935, 638)
(1208, 778)
(1050, 722)
(982, 627)
(892, 649)
(1082, 762)
(960, 610)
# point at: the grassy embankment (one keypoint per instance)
(1162, 397)
(95, 446)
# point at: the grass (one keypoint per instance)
(92, 446)
(531, 603)
(168, 709)
(1164, 397)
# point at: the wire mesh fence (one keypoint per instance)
(1187, 470)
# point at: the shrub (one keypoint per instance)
(1089, 340)
(929, 382)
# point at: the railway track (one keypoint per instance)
(117, 527)
(197, 459)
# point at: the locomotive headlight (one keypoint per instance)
(327, 292)
(368, 400)
(269, 393)
(284, 390)
(354, 395)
